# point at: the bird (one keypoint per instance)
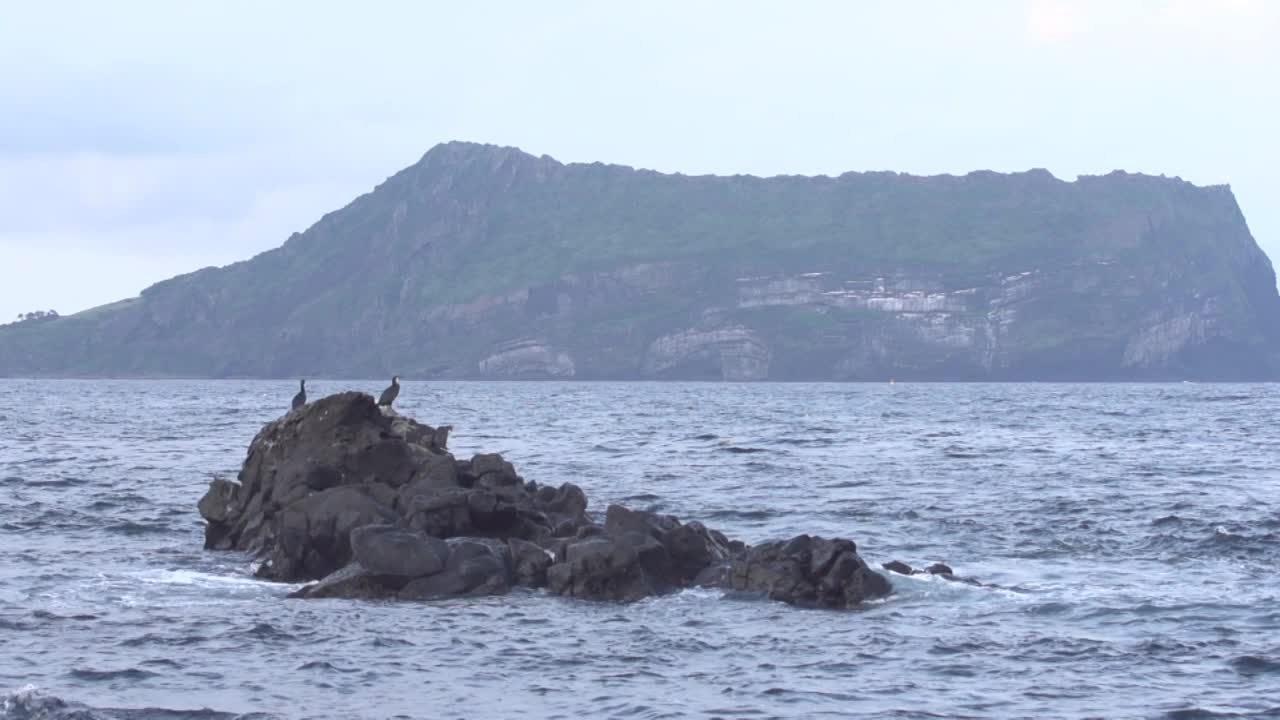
(301, 398)
(389, 395)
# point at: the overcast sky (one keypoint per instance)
(139, 140)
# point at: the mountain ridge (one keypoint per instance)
(483, 261)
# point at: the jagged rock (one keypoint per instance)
(217, 506)
(529, 563)
(809, 572)
(492, 464)
(566, 504)
(336, 442)
(942, 570)
(367, 502)
(687, 550)
(602, 568)
(459, 512)
(619, 520)
(693, 549)
(391, 550)
(899, 567)
(436, 473)
(443, 514)
(939, 569)
(312, 535)
(588, 530)
(219, 503)
(441, 438)
(474, 568)
(352, 582)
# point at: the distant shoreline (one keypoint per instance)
(646, 381)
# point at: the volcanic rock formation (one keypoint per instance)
(370, 505)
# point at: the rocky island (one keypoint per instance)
(486, 262)
(370, 504)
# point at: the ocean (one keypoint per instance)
(1127, 538)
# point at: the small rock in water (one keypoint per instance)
(899, 567)
(939, 569)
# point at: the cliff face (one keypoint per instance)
(486, 262)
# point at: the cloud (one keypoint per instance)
(178, 134)
(70, 268)
(1053, 22)
(1154, 29)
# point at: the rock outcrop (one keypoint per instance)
(370, 504)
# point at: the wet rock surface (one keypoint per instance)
(370, 504)
(942, 570)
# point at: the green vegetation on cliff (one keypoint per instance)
(486, 261)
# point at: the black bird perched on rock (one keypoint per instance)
(389, 395)
(301, 398)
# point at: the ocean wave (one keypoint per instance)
(32, 703)
(1251, 665)
(131, 528)
(740, 450)
(195, 578)
(92, 675)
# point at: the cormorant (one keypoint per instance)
(389, 395)
(301, 398)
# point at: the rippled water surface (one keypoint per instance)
(1129, 536)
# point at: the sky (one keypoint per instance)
(143, 139)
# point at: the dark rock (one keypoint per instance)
(965, 580)
(440, 440)
(529, 563)
(942, 570)
(436, 472)
(384, 494)
(492, 513)
(352, 582)
(692, 549)
(312, 537)
(619, 520)
(368, 501)
(899, 567)
(939, 569)
(341, 441)
(434, 587)
(486, 575)
(808, 572)
(459, 512)
(686, 550)
(464, 549)
(566, 502)
(497, 482)
(444, 514)
(474, 567)
(600, 568)
(588, 530)
(493, 464)
(714, 576)
(219, 504)
(391, 550)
